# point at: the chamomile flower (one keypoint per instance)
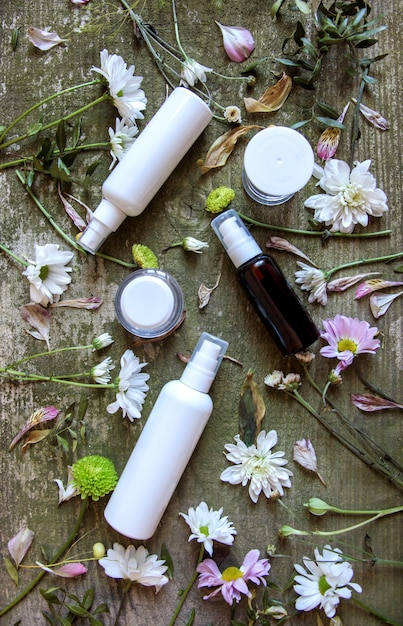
(313, 280)
(208, 525)
(135, 564)
(350, 198)
(192, 72)
(132, 387)
(48, 274)
(257, 465)
(100, 372)
(324, 581)
(121, 139)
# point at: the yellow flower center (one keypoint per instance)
(231, 573)
(347, 344)
(44, 272)
(352, 195)
(323, 585)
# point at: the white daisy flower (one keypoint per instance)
(123, 86)
(100, 372)
(102, 341)
(324, 581)
(257, 465)
(233, 114)
(47, 273)
(132, 387)
(313, 280)
(135, 564)
(192, 71)
(208, 525)
(351, 196)
(121, 139)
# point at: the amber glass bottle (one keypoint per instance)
(272, 296)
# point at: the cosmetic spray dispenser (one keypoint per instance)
(147, 164)
(166, 444)
(272, 296)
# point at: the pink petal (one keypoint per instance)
(304, 454)
(43, 39)
(91, 304)
(71, 212)
(369, 402)
(238, 42)
(69, 570)
(38, 417)
(19, 545)
(278, 243)
(369, 286)
(341, 284)
(38, 317)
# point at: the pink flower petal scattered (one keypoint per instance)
(341, 284)
(19, 545)
(373, 117)
(279, 243)
(305, 455)
(43, 39)
(379, 304)
(330, 138)
(69, 570)
(91, 304)
(71, 212)
(370, 402)
(238, 42)
(38, 417)
(374, 284)
(38, 317)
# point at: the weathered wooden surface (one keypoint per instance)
(28, 493)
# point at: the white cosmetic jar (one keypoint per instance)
(149, 303)
(278, 162)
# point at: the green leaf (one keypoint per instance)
(76, 132)
(101, 608)
(251, 410)
(168, 560)
(327, 110)
(275, 8)
(15, 37)
(34, 128)
(82, 407)
(63, 442)
(11, 569)
(50, 595)
(328, 121)
(76, 609)
(398, 269)
(191, 618)
(91, 168)
(59, 171)
(300, 124)
(288, 62)
(65, 621)
(88, 598)
(61, 136)
(302, 6)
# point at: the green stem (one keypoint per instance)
(44, 101)
(56, 558)
(57, 153)
(82, 109)
(385, 620)
(378, 259)
(186, 591)
(23, 376)
(355, 126)
(48, 353)
(395, 509)
(126, 588)
(315, 233)
(178, 41)
(14, 256)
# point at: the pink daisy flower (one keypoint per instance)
(232, 582)
(347, 337)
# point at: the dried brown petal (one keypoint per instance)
(251, 410)
(272, 99)
(222, 147)
(205, 292)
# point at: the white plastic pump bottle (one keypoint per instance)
(147, 164)
(166, 444)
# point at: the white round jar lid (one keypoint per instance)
(278, 161)
(149, 303)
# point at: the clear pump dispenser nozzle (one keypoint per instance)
(204, 362)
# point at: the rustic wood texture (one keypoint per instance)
(28, 493)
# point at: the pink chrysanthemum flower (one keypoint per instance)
(232, 582)
(347, 337)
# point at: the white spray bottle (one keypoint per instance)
(166, 444)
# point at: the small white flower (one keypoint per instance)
(123, 86)
(233, 115)
(192, 71)
(274, 379)
(324, 581)
(132, 387)
(313, 280)
(190, 244)
(47, 274)
(258, 465)
(70, 491)
(208, 525)
(102, 341)
(121, 139)
(100, 372)
(351, 196)
(137, 565)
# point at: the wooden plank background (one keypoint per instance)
(28, 493)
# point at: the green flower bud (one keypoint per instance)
(219, 199)
(287, 531)
(98, 550)
(144, 257)
(318, 506)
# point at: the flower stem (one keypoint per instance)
(122, 600)
(44, 101)
(82, 109)
(378, 259)
(355, 126)
(316, 233)
(79, 148)
(56, 558)
(48, 353)
(385, 620)
(13, 256)
(186, 591)
(23, 376)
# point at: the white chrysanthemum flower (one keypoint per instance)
(123, 86)
(233, 114)
(100, 372)
(48, 274)
(121, 139)
(132, 387)
(351, 196)
(324, 581)
(257, 465)
(70, 491)
(207, 526)
(137, 565)
(102, 341)
(192, 71)
(313, 280)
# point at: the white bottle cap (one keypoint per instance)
(106, 219)
(149, 303)
(203, 365)
(235, 237)
(278, 161)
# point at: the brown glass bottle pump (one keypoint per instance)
(272, 296)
